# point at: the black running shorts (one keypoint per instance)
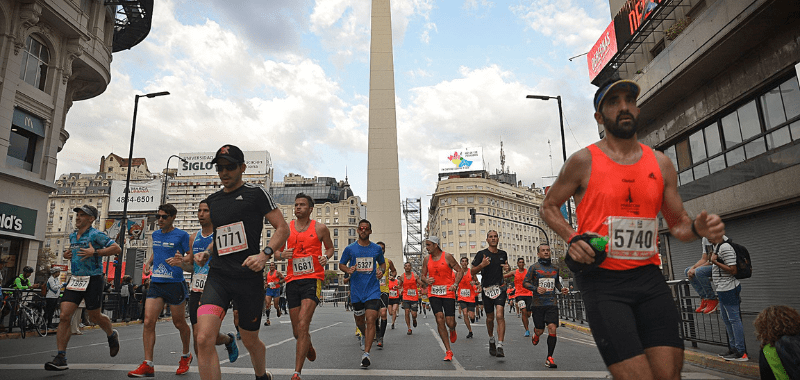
(93, 295)
(544, 315)
(446, 305)
(248, 293)
(298, 290)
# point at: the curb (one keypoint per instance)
(16, 335)
(696, 357)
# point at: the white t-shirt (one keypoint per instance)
(53, 283)
(724, 281)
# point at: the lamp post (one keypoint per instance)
(166, 177)
(124, 224)
(563, 143)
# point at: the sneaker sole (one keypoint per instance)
(146, 375)
(500, 353)
(53, 367)
(365, 362)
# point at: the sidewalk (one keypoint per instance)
(698, 357)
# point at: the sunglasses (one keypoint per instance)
(363, 228)
(162, 216)
(228, 167)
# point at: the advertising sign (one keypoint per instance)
(135, 228)
(460, 160)
(17, 219)
(631, 16)
(258, 162)
(144, 196)
(602, 51)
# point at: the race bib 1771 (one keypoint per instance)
(231, 238)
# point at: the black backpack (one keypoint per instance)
(744, 267)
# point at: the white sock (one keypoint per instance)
(149, 362)
(499, 343)
(491, 339)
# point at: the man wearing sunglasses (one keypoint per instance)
(237, 265)
(167, 285)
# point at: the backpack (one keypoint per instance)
(125, 291)
(788, 348)
(744, 267)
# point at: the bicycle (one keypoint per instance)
(31, 315)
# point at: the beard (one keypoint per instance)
(621, 130)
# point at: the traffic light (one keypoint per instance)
(472, 215)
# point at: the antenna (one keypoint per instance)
(502, 158)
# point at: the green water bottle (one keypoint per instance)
(599, 243)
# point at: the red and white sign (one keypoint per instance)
(602, 51)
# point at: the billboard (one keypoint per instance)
(602, 51)
(461, 160)
(144, 196)
(135, 228)
(199, 164)
(631, 16)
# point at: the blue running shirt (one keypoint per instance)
(165, 245)
(364, 286)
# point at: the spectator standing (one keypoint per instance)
(778, 329)
(728, 291)
(51, 298)
(125, 294)
(699, 276)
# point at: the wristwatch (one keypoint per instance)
(268, 251)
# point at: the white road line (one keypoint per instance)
(373, 373)
(277, 344)
(581, 341)
(438, 339)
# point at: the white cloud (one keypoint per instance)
(566, 22)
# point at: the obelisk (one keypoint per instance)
(383, 176)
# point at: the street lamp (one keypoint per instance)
(124, 224)
(166, 177)
(563, 144)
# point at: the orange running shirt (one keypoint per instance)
(518, 278)
(442, 275)
(466, 292)
(410, 288)
(272, 278)
(305, 258)
(635, 190)
(394, 293)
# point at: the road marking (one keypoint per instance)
(581, 341)
(462, 374)
(438, 339)
(279, 343)
(139, 337)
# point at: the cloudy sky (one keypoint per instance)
(292, 77)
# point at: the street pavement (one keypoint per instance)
(338, 354)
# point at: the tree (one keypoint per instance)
(330, 276)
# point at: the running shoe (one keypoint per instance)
(737, 357)
(144, 370)
(232, 348)
(527, 333)
(535, 339)
(415, 322)
(409, 332)
(380, 342)
(279, 313)
(113, 343)
(311, 355)
(500, 353)
(703, 306)
(453, 336)
(59, 363)
(448, 356)
(365, 360)
(712, 306)
(266, 323)
(724, 354)
(469, 336)
(392, 326)
(183, 365)
(549, 363)
(492, 349)
(296, 376)
(267, 376)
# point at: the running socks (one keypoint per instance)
(551, 344)
(382, 330)
(62, 353)
(268, 310)
(149, 363)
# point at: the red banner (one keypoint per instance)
(602, 51)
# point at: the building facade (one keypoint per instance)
(52, 52)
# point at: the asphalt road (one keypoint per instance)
(403, 356)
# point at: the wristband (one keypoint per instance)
(694, 230)
(574, 234)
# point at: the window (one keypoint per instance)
(335, 232)
(34, 63)
(26, 132)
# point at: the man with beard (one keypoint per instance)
(620, 186)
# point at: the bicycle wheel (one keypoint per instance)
(39, 322)
(22, 322)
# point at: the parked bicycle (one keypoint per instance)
(30, 315)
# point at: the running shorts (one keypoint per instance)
(306, 288)
(173, 293)
(394, 301)
(272, 292)
(544, 315)
(629, 311)
(367, 305)
(489, 304)
(413, 305)
(446, 305)
(527, 300)
(93, 295)
(194, 303)
(470, 306)
(246, 293)
(384, 300)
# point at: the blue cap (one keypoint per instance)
(603, 90)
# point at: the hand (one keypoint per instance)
(146, 270)
(714, 258)
(690, 274)
(485, 262)
(506, 267)
(378, 273)
(430, 280)
(541, 290)
(255, 262)
(351, 270)
(200, 258)
(564, 291)
(323, 260)
(709, 226)
(86, 253)
(453, 287)
(287, 254)
(581, 252)
(67, 254)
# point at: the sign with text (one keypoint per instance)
(258, 162)
(17, 219)
(602, 51)
(460, 160)
(631, 16)
(144, 196)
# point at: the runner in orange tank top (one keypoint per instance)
(272, 294)
(522, 296)
(437, 271)
(466, 296)
(408, 283)
(620, 185)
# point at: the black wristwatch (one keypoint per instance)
(268, 251)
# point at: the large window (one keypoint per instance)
(34, 63)
(767, 122)
(26, 132)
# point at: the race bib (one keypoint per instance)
(271, 285)
(632, 238)
(464, 292)
(78, 283)
(383, 281)
(393, 293)
(438, 290)
(199, 282)
(492, 291)
(303, 265)
(364, 264)
(231, 238)
(411, 292)
(547, 283)
(521, 304)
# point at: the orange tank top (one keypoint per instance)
(305, 258)
(394, 293)
(443, 278)
(410, 288)
(273, 281)
(518, 279)
(635, 190)
(466, 292)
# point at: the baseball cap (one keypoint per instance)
(433, 239)
(88, 209)
(231, 153)
(606, 88)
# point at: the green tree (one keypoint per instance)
(330, 275)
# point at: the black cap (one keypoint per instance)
(231, 153)
(600, 95)
(89, 210)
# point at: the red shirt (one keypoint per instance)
(518, 278)
(394, 293)
(410, 288)
(442, 275)
(305, 258)
(466, 292)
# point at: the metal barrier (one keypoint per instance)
(695, 327)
